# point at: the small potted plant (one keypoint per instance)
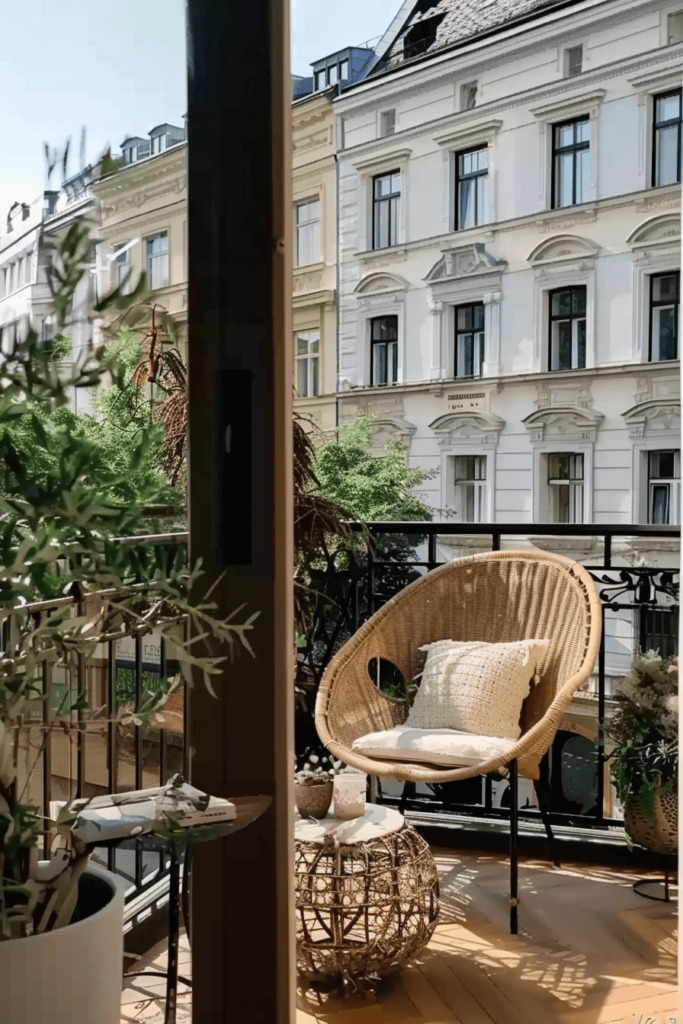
(314, 786)
(644, 761)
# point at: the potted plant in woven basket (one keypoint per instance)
(644, 761)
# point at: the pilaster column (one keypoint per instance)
(492, 328)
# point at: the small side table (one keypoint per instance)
(177, 848)
(367, 896)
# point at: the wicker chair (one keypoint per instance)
(498, 597)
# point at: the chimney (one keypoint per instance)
(51, 198)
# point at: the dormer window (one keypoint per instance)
(320, 79)
(422, 33)
(159, 143)
(131, 154)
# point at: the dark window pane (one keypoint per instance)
(581, 345)
(660, 505)
(465, 318)
(565, 345)
(578, 300)
(664, 333)
(479, 317)
(561, 303)
(665, 288)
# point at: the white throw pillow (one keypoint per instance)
(476, 687)
(431, 746)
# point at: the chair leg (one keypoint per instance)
(543, 797)
(514, 802)
(408, 792)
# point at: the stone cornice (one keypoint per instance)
(142, 173)
(665, 198)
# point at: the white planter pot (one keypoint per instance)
(72, 975)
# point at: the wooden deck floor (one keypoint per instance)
(590, 951)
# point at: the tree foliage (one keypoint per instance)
(372, 487)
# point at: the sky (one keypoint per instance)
(119, 69)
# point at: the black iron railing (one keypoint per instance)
(640, 599)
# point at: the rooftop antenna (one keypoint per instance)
(51, 158)
(65, 160)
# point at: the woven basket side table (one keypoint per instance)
(367, 895)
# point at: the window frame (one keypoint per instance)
(376, 342)
(390, 198)
(553, 317)
(472, 176)
(672, 484)
(312, 336)
(652, 305)
(573, 484)
(155, 256)
(574, 148)
(659, 126)
(478, 484)
(299, 203)
(457, 332)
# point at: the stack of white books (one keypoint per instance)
(120, 815)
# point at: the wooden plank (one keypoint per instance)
(487, 994)
(618, 1013)
(424, 995)
(454, 994)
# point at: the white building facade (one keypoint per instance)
(510, 262)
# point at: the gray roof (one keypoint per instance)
(461, 20)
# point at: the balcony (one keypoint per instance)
(590, 949)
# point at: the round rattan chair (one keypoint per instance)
(496, 597)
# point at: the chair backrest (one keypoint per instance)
(496, 597)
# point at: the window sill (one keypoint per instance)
(369, 255)
(306, 268)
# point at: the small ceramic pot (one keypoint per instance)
(313, 801)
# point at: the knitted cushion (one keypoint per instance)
(475, 686)
(432, 746)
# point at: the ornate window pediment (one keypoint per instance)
(662, 230)
(563, 424)
(381, 283)
(656, 418)
(465, 261)
(562, 249)
(467, 427)
(390, 428)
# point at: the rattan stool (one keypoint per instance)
(367, 896)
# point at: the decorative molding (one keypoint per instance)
(657, 418)
(464, 261)
(469, 134)
(467, 427)
(568, 105)
(138, 199)
(572, 220)
(576, 393)
(672, 75)
(380, 283)
(561, 249)
(664, 229)
(563, 424)
(314, 141)
(659, 202)
(382, 159)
